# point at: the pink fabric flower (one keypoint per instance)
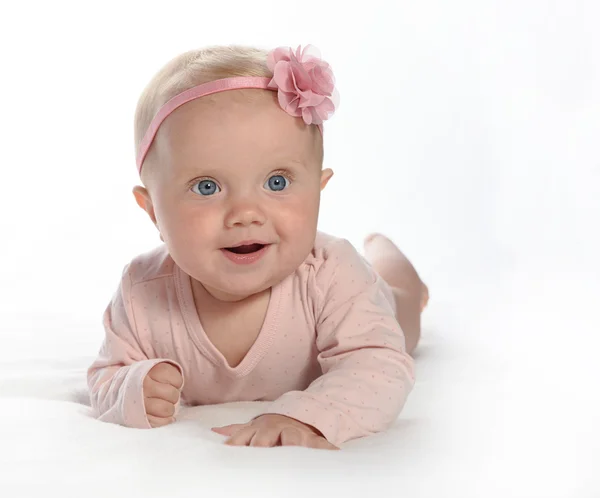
(304, 82)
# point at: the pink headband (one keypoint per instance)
(304, 84)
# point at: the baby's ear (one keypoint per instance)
(143, 199)
(326, 175)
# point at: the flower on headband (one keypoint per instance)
(304, 83)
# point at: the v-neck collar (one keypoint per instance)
(183, 285)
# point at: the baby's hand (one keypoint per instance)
(274, 430)
(161, 393)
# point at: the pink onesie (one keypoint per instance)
(330, 352)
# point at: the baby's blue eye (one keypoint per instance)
(206, 187)
(277, 183)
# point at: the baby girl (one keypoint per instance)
(246, 300)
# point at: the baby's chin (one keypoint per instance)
(227, 281)
(238, 287)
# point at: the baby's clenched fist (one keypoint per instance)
(162, 387)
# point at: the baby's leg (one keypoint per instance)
(410, 292)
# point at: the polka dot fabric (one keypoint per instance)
(330, 352)
(366, 373)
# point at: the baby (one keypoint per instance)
(246, 300)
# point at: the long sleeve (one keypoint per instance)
(116, 377)
(367, 374)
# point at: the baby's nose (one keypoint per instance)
(244, 214)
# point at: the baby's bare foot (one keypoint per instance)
(393, 266)
(424, 296)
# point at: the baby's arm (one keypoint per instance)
(367, 374)
(116, 378)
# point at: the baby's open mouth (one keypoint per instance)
(245, 249)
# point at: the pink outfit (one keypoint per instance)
(330, 353)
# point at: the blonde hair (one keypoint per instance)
(192, 68)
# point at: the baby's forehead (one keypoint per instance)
(238, 101)
(228, 127)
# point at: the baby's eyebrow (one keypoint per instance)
(192, 171)
(291, 161)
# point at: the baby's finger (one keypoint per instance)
(153, 389)
(265, 438)
(242, 437)
(321, 443)
(166, 373)
(159, 422)
(229, 430)
(159, 407)
(290, 436)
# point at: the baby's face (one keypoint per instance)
(229, 172)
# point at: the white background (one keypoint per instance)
(468, 131)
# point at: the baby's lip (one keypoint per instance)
(246, 247)
(248, 243)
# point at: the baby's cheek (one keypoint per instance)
(297, 219)
(297, 229)
(187, 228)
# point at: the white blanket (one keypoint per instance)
(502, 407)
